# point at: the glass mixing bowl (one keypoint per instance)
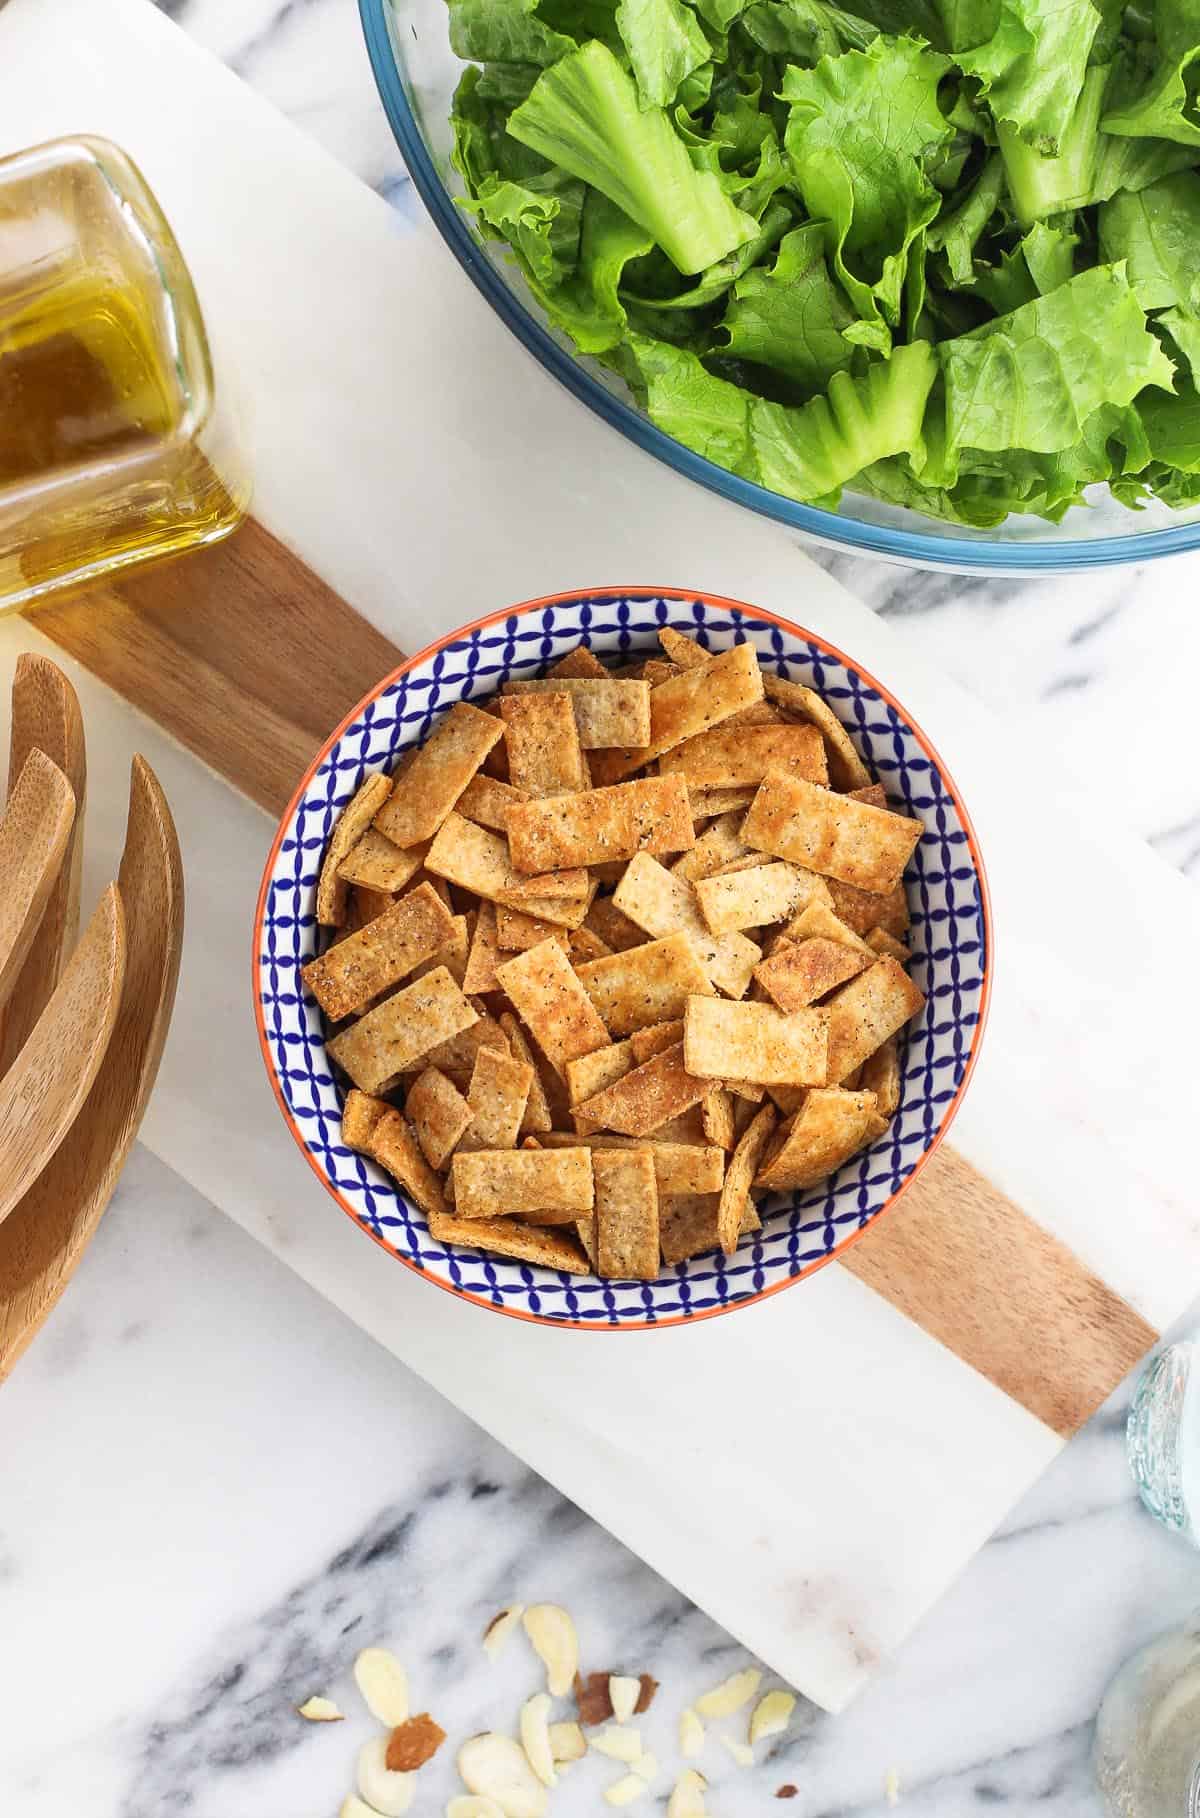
(417, 73)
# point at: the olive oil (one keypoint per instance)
(112, 447)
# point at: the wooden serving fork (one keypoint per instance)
(81, 1033)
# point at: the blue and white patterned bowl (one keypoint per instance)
(951, 943)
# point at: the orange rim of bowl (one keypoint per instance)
(682, 596)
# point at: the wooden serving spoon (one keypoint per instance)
(46, 718)
(44, 1236)
(50, 1078)
(33, 839)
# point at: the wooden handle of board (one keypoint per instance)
(219, 651)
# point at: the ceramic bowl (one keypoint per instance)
(950, 938)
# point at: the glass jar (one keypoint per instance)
(1162, 1439)
(116, 446)
(1147, 1747)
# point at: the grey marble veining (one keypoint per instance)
(217, 1490)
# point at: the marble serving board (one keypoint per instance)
(813, 1471)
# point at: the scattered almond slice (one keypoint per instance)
(319, 1710)
(742, 1753)
(552, 1635)
(623, 1694)
(412, 1744)
(390, 1794)
(618, 1743)
(567, 1743)
(625, 1790)
(646, 1766)
(495, 1767)
(771, 1715)
(500, 1628)
(891, 1787)
(384, 1686)
(691, 1733)
(730, 1695)
(472, 1805)
(687, 1795)
(354, 1807)
(535, 1737)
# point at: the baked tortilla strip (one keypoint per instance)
(598, 825)
(537, 1112)
(583, 946)
(846, 768)
(717, 1115)
(346, 978)
(438, 1113)
(735, 1193)
(861, 910)
(548, 884)
(430, 785)
(654, 671)
(608, 712)
(647, 1098)
(626, 1214)
(547, 1249)
(679, 1168)
(664, 904)
(517, 931)
(872, 793)
(688, 704)
(753, 896)
(395, 1148)
(453, 952)
(498, 1183)
(707, 803)
(592, 1072)
(487, 801)
(360, 1115)
(484, 955)
(497, 1097)
(472, 857)
(860, 845)
(547, 995)
(817, 921)
(682, 651)
(688, 1225)
(865, 1012)
(577, 662)
(652, 1040)
(718, 845)
(881, 1075)
(830, 1126)
(755, 1042)
(544, 756)
(403, 1029)
(737, 754)
(880, 941)
(457, 1054)
(644, 985)
(377, 864)
(332, 889)
(800, 972)
(612, 925)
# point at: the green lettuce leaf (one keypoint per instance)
(588, 304)
(1032, 379)
(665, 44)
(504, 31)
(859, 126)
(540, 219)
(957, 233)
(792, 317)
(719, 279)
(804, 31)
(1157, 233)
(583, 114)
(812, 452)
(1165, 105)
(1030, 57)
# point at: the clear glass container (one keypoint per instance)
(116, 446)
(1147, 1747)
(1162, 1439)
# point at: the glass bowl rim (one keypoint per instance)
(923, 549)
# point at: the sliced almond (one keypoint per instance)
(691, 1733)
(617, 1743)
(742, 1753)
(646, 1765)
(319, 1710)
(623, 1694)
(472, 1805)
(499, 1629)
(387, 1793)
(552, 1634)
(625, 1790)
(353, 1807)
(687, 1795)
(771, 1715)
(412, 1744)
(384, 1686)
(495, 1767)
(567, 1743)
(891, 1786)
(730, 1695)
(535, 1737)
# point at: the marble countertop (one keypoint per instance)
(217, 1488)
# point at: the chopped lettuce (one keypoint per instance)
(941, 251)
